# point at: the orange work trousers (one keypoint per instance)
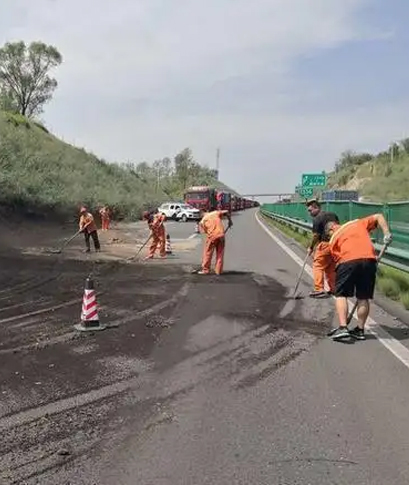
(158, 242)
(105, 223)
(212, 245)
(323, 267)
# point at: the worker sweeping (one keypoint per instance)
(356, 264)
(212, 225)
(323, 265)
(158, 234)
(88, 227)
(105, 214)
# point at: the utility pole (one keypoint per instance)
(217, 162)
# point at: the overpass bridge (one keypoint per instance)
(280, 196)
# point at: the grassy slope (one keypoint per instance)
(378, 179)
(392, 283)
(37, 170)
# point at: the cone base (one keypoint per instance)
(89, 326)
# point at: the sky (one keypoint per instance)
(281, 86)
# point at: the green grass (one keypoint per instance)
(378, 180)
(41, 173)
(392, 283)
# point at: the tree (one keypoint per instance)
(184, 165)
(25, 75)
(405, 144)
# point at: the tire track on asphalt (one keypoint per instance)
(56, 407)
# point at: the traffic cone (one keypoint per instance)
(197, 230)
(168, 246)
(89, 312)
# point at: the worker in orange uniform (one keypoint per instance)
(356, 264)
(89, 228)
(105, 214)
(323, 266)
(158, 233)
(212, 225)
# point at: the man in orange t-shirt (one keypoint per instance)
(355, 274)
(212, 225)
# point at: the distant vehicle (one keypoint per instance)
(201, 197)
(170, 209)
(188, 213)
(179, 211)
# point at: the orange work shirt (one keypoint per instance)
(156, 225)
(88, 219)
(352, 241)
(212, 224)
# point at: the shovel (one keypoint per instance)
(140, 249)
(351, 314)
(59, 251)
(295, 297)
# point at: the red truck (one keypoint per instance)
(201, 197)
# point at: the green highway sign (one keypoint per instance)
(306, 192)
(314, 180)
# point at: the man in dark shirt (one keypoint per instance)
(323, 264)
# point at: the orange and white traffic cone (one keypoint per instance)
(197, 229)
(89, 312)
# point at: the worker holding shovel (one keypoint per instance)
(212, 225)
(88, 227)
(356, 265)
(158, 234)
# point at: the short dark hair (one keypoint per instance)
(327, 229)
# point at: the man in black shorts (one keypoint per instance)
(323, 265)
(356, 264)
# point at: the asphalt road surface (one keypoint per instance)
(200, 380)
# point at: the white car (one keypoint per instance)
(188, 213)
(179, 211)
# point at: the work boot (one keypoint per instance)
(87, 250)
(318, 294)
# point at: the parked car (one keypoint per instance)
(179, 211)
(188, 213)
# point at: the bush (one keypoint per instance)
(405, 300)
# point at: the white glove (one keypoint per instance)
(387, 239)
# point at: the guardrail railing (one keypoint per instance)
(394, 257)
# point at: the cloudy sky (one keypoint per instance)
(282, 86)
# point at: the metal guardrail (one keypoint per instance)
(394, 257)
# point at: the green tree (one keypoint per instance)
(184, 165)
(25, 75)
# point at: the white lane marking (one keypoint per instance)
(384, 337)
(192, 236)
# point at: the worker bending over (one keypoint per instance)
(88, 227)
(158, 234)
(356, 264)
(105, 214)
(212, 225)
(323, 265)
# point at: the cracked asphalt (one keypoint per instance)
(200, 379)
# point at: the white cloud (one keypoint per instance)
(143, 79)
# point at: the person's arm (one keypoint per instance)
(314, 241)
(381, 222)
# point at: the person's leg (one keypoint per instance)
(207, 256)
(329, 268)
(365, 289)
(95, 239)
(162, 245)
(87, 242)
(344, 289)
(220, 246)
(153, 246)
(318, 269)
